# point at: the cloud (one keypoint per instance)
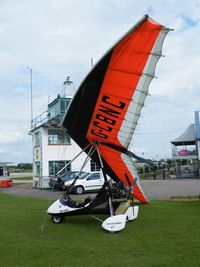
(19, 91)
(189, 22)
(10, 138)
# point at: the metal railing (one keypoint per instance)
(39, 120)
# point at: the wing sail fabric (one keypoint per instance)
(108, 103)
(125, 85)
(124, 168)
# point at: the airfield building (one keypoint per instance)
(4, 169)
(53, 148)
(186, 151)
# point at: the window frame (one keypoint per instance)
(37, 168)
(93, 166)
(58, 139)
(54, 169)
(37, 138)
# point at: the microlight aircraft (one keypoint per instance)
(102, 118)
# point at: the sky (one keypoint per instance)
(58, 38)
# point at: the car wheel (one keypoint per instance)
(79, 190)
(57, 218)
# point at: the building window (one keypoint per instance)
(37, 168)
(54, 110)
(58, 137)
(93, 166)
(64, 104)
(58, 106)
(37, 138)
(56, 166)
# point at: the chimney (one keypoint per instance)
(68, 88)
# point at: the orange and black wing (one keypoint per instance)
(108, 103)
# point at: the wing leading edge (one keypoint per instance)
(108, 103)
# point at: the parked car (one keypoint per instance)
(91, 182)
(59, 181)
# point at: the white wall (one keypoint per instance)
(60, 152)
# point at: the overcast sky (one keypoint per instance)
(58, 38)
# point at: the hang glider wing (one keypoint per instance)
(108, 103)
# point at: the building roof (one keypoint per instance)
(186, 138)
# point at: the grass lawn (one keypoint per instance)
(22, 178)
(166, 233)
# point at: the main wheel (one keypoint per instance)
(57, 218)
(79, 190)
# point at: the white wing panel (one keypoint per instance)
(139, 96)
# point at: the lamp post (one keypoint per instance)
(143, 167)
(31, 88)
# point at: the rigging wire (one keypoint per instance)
(160, 133)
(44, 218)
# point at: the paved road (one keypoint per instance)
(25, 189)
(165, 189)
(154, 189)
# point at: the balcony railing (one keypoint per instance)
(39, 120)
(45, 117)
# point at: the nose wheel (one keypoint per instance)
(57, 218)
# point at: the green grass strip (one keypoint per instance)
(166, 234)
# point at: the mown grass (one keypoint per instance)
(22, 178)
(166, 233)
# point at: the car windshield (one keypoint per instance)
(72, 175)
